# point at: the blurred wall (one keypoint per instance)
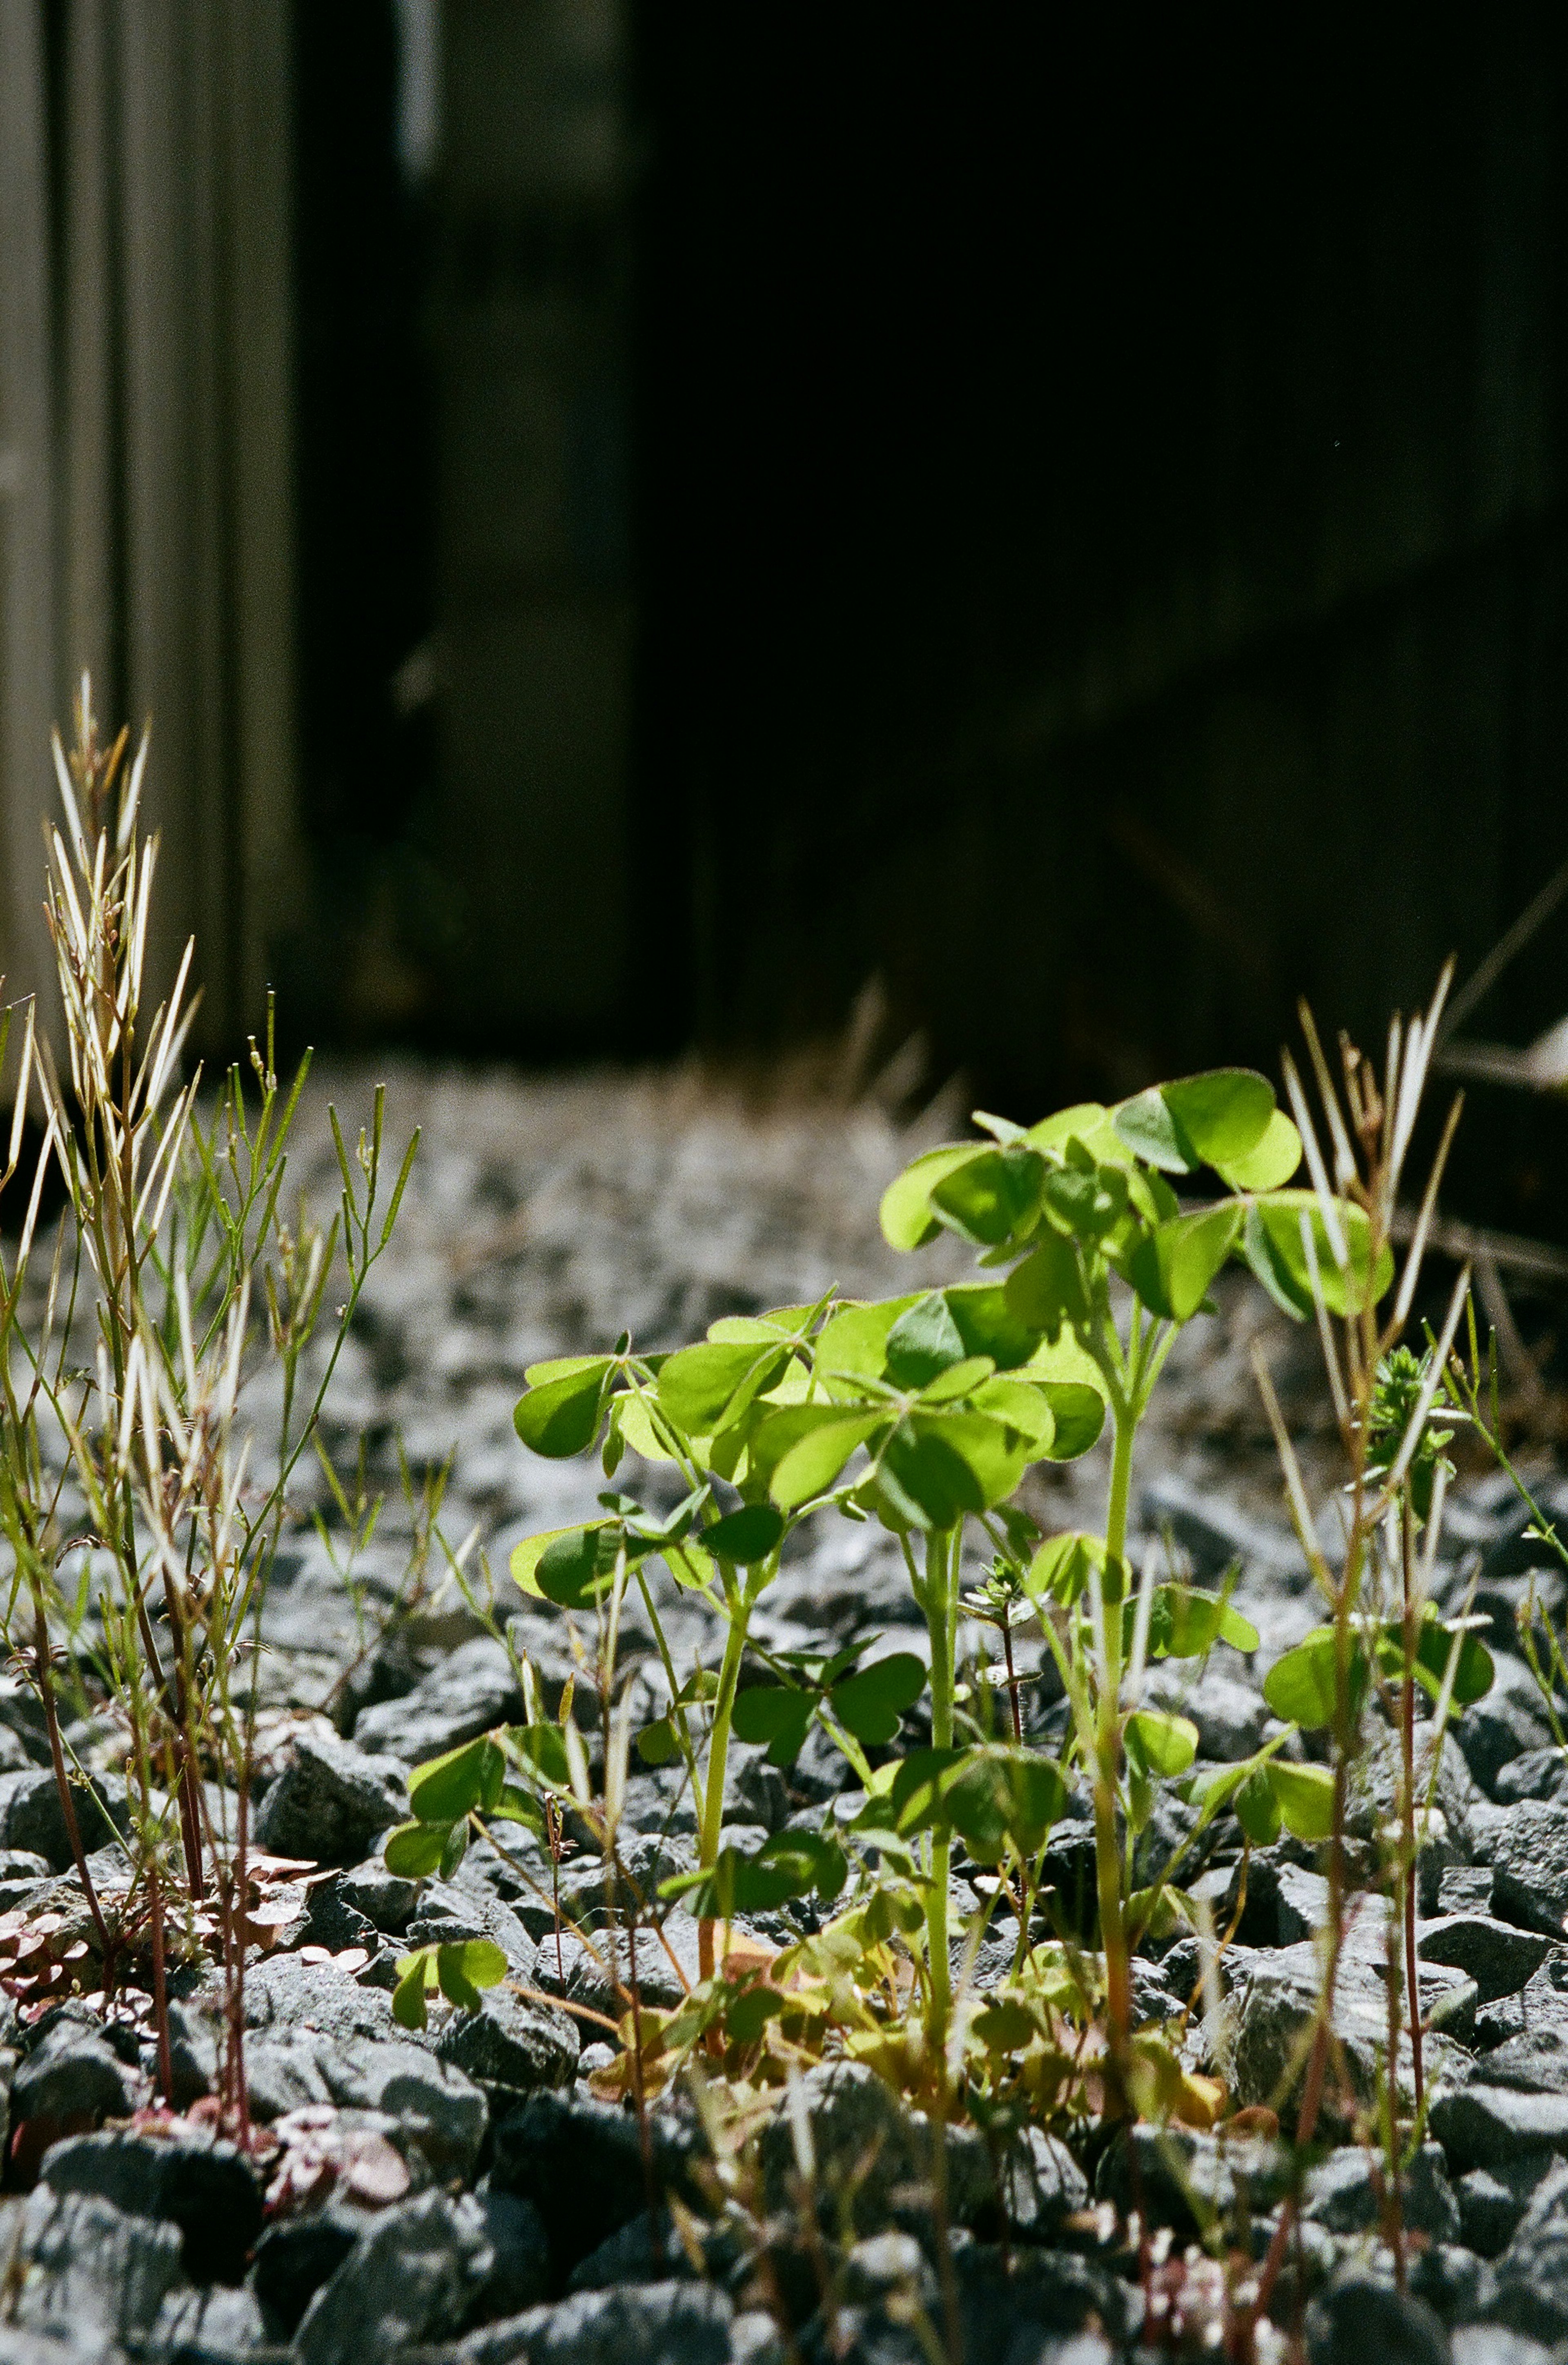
(532, 310)
(1106, 554)
(145, 497)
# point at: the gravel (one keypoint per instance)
(533, 2219)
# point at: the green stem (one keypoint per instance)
(719, 1751)
(1125, 1425)
(941, 1603)
(1107, 1855)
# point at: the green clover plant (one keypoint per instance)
(926, 1412)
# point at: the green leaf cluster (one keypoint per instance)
(1088, 1192)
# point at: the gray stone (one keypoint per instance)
(676, 2323)
(1509, 1721)
(295, 2256)
(1280, 2001)
(73, 2075)
(888, 2266)
(384, 1897)
(207, 2327)
(1455, 2284)
(283, 2073)
(414, 2274)
(460, 1698)
(1537, 1774)
(595, 1970)
(1358, 2316)
(1492, 2344)
(645, 1861)
(32, 1820)
(205, 2187)
(331, 1800)
(1529, 1865)
(1186, 2181)
(872, 2155)
(1530, 2030)
(1231, 1716)
(647, 2250)
(1465, 1888)
(1038, 2182)
(283, 1994)
(520, 2274)
(580, 2162)
(439, 2109)
(1007, 2299)
(445, 1915)
(1216, 1533)
(511, 2042)
(1492, 2201)
(1532, 2273)
(1375, 1784)
(83, 2345)
(1479, 2125)
(1538, 2010)
(1344, 2193)
(868, 2148)
(1285, 1903)
(94, 2270)
(1499, 1956)
(194, 2042)
(331, 1920)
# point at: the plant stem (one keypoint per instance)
(1011, 1682)
(1126, 1424)
(718, 1756)
(941, 1589)
(1408, 1746)
(1107, 1768)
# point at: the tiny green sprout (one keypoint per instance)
(1002, 1601)
(1402, 1380)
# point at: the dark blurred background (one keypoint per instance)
(1060, 512)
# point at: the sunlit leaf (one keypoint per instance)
(560, 1414)
(1274, 1248)
(1270, 1163)
(1301, 1687)
(1173, 1267)
(988, 1323)
(1198, 1120)
(416, 1974)
(414, 1850)
(1257, 1808)
(460, 1783)
(703, 1388)
(575, 1565)
(656, 1743)
(1185, 1622)
(466, 1965)
(527, 1555)
(853, 1341)
(1305, 1795)
(924, 1342)
(1047, 1289)
(1159, 1743)
(990, 1198)
(1060, 1570)
(1085, 1202)
(906, 1217)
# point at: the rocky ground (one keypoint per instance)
(461, 2194)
